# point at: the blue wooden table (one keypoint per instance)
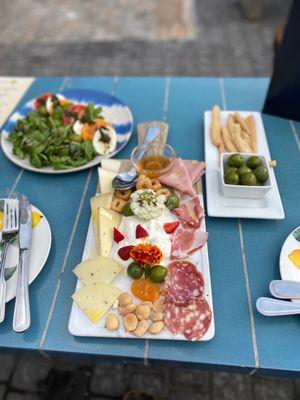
(243, 253)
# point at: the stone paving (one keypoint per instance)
(134, 37)
(33, 378)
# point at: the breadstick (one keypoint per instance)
(238, 119)
(216, 126)
(246, 137)
(221, 148)
(230, 123)
(239, 142)
(250, 121)
(229, 145)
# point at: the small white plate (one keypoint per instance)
(270, 207)
(80, 325)
(288, 271)
(39, 251)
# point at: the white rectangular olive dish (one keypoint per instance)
(244, 191)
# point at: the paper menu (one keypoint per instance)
(11, 91)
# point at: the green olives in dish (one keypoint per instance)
(243, 170)
(248, 179)
(253, 162)
(230, 169)
(235, 160)
(232, 178)
(261, 173)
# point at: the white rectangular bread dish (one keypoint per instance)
(80, 325)
(269, 207)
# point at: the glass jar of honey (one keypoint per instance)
(153, 159)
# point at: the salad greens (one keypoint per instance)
(48, 139)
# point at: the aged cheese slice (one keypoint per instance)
(96, 299)
(110, 163)
(96, 270)
(102, 200)
(105, 179)
(108, 219)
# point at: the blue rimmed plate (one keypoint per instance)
(114, 111)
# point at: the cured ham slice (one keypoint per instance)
(192, 320)
(190, 213)
(186, 241)
(195, 169)
(183, 282)
(178, 178)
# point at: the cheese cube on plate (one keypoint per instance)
(96, 270)
(96, 299)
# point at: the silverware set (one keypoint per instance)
(16, 224)
(283, 290)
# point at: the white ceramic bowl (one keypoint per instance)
(243, 191)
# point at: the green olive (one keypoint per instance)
(243, 170)
(235, 160)
(158, 273)
(172, 201)
(135, 271)
(248, 179)
(261, 173)
(232, 178)
(230, 169)
(127, 211)
(253, 162)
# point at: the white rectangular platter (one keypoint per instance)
(80, 325)
(269, 207)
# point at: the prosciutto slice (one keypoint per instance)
(186, 241)
(178, 178)
(190, 213)
(195, 169)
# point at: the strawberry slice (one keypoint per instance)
(124, 252)
(170, 227)
(140, 232)
(118, 236)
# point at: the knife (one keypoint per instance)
(21, 320)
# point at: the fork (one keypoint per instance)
(9, 232)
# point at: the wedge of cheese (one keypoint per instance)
(101, 200)
(96, 270)
(108, 220)
(105, 180)
(110, 163)
(96, 299)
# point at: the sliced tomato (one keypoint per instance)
(78, 109)
(67, 119)
(170, 227)
(41, 100)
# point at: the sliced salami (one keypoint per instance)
(190, 213)
(183, 282)
(192, 320)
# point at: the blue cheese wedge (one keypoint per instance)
(97, 270)
(108, 220)
(106, 177)
(96, 299)
(101, 200)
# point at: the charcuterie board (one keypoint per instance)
(187, 275)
